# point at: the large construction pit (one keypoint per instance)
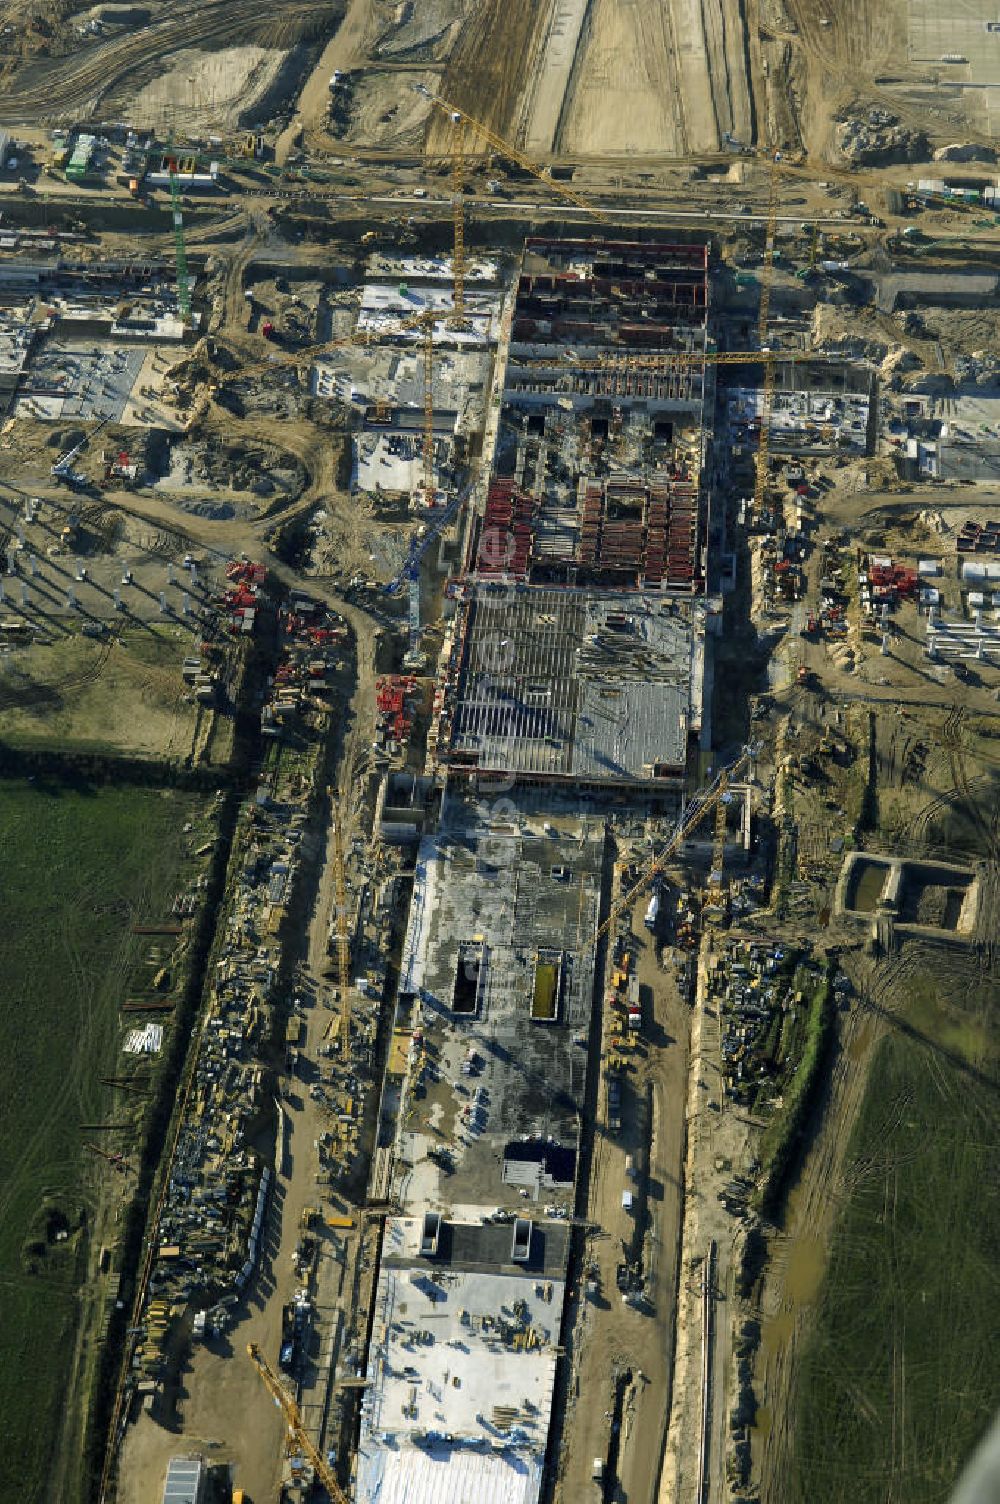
(931, 895)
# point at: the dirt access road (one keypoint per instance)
(225, 1411)
(608, 1332)
(346, 50)
(654, 77)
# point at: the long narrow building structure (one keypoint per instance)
(574, 675)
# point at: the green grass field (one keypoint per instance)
(900, 1375)
(80, 866)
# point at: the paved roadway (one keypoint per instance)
(607, 206)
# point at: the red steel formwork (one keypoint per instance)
(506, 536)
(613, 296)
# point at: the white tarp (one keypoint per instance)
(147, 1041)
(446, 1475)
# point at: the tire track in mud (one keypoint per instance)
(821, 1188)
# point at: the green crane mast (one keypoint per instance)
(180, 254)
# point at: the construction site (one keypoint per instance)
(498, 512)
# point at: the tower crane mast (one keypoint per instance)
(505, 148)
(767, 392)
(180, 254)
(458, 213)
(703, 804)
(429, 490)
(293, 1419)
(667, 358)
(716, 884)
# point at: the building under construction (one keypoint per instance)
(482, 1107)
(599, 451)
(580, 687)
(580, 653)
(574, 674)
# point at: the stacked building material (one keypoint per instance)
(682, 537)
(506, 537)
(395, 717)
(888, 582)
(655, 550)
(621, 546)
(590, 526)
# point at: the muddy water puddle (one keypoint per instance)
(803, 1262)
(761, 1427)
(868, 882)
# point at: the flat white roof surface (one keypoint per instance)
(476, 269)
(461, 1371)
(183, 1481)
(445, 1476)
(450, 1380)
(385, 310)
(378, 465)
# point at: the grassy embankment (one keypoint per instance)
(900, 1373)
(802, 1050)
(81, 865)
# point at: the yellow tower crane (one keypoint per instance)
(293, 1419)
(704, 803)
(458, 212)
(512, 153)
(462, 123)
(767, 393)
(429, 488)
(666, 359)
(716, 877)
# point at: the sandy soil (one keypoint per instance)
(424, 25)
(556, 63)
(106, 72)
(491, 66)
(207, 91)
(88, 695)
(388, 109)
(621, 98)
(346, 50)
(656, 78)
(816, 68)
(859, 36)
